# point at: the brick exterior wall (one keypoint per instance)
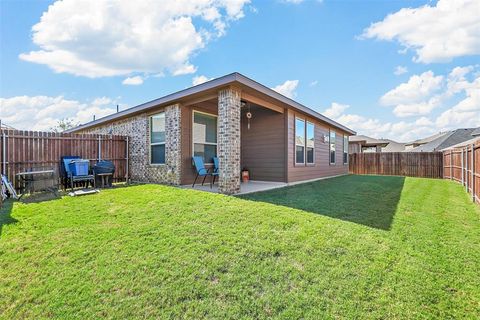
(228, 144)
(137, 128)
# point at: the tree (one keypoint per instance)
(64, 124)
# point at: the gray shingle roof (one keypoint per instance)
(449, 139)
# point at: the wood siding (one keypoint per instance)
(322, 167)
(410, 164)
(263, 145)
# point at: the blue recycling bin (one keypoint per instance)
(79, 167)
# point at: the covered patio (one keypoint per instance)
(245, 188)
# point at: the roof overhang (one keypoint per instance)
(230, 79)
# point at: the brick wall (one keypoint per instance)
(137, 128)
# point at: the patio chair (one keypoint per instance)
(201, 170)
(216, 169)
(72, 177)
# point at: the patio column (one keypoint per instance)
(228, 142)
(173, 144)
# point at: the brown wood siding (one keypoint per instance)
(322, 167)
(188, 171)
(263, 145)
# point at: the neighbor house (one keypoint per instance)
(446, 140)
(243, 122)
(362, 144)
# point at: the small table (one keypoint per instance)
(38, 180)
(104, 177)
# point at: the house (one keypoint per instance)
(243, 122)
(410, 145)
(393, 146)
(445, 140)
(362, 144)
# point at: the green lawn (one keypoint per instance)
(348, 247)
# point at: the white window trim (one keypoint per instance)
(345, 140)
(330, 146)
(295, 141)
(207, 143)
(306, 139)
(155, 143)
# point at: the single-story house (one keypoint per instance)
(446, 140)
(416, 143)
(242, 122)
(361, 144)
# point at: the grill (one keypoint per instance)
(104, 170)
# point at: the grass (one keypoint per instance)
(348, 247)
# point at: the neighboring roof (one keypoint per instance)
(393, 146)
(427, 139)
(218, 82)
(476, 132)
(365, 140)
(449, 139)
(463, 144)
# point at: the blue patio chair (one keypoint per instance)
(216, 169)
(201, 170)
(71, 176)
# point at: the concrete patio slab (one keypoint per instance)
(249, 187)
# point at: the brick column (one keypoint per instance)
(228, 144)
(173, 144)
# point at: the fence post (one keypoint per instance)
(472, 180)
(461, 162)
(99, 148)
(127, 160)
(451, 164)
(4, 151)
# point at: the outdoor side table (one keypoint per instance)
(40, 180)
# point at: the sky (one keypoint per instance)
(389, 69)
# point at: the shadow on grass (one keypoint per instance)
(367, 200)
(5, 215)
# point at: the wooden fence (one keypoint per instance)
(463, 165)
(411, 164)
(24, 150)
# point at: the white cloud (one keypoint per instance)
(288, 88)
(437, 33)
(399, 70)
(200, 79)
(416, 109)
(416, 89)
(43, 112)
(313, 83)
(335, 110)
(119, 37)
(133, 81)
(466, 113)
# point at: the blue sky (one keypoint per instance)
(325, 54)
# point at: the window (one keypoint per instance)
(332, 147)
(310, 143)
(345, 149)
(157, 139)
(299, 141)
(204, 136)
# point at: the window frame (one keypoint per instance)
(345, 148)
(156, 143)
(193, 131)
(304, 143)
(330, 148)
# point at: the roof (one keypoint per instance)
(448, 139)
(463, 144)
(476, 132)
(427, 139)
(233, 78)
(393, 146)
(367, 140)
